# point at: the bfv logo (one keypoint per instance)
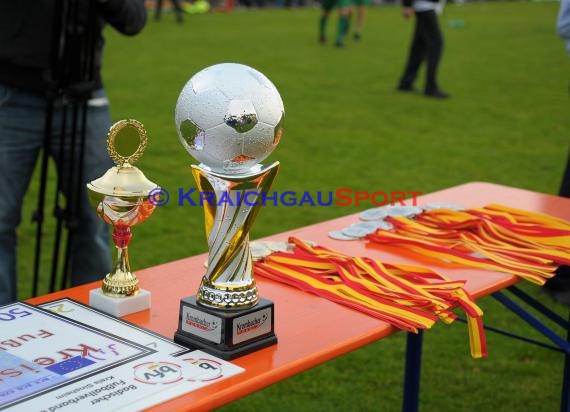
(158, 373)
(213, 369)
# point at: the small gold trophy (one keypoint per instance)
(229, 117)
(120, 197)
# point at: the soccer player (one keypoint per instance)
(344, 10)
(360, 6)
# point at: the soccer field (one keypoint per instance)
(346, 126)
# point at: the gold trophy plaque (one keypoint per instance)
(120, 197)
(229, 117)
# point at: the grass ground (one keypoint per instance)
(507, 122)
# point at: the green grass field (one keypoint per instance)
(507, 122)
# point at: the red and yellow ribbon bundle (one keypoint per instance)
(406, 296)
(526, 244)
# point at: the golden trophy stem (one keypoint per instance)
(121, 282)
(229, 216)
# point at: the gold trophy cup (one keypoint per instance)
(121, 198)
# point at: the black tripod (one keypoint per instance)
(71, 81)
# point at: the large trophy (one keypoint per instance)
(229, 117)
(120, 197)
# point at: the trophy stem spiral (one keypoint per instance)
(229, 282)
(121, 282)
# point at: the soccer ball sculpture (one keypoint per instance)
(229, 117)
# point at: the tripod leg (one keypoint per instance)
(39, 213)
(74, 172)
(59, 212)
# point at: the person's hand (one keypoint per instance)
(407, 12)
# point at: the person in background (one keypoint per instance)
(360, 11)
(558, 287)
(26, 36)
(427, 45)
(344, 11)
(563, 23)
(563, 28)
(178, 11)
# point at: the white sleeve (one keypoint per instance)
(563, 22)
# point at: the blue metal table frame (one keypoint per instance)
(412, 374)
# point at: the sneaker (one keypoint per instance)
(356, 36)
(407, 89)
(339, 44)
(437, 94)
(322, 39)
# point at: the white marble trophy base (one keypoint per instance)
(119, 306)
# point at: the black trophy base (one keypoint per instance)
(227, 334)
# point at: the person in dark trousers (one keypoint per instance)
(563, 28)
(558, 287)
(427, 45)
(27, 35)
(176, 4)
(565, 185)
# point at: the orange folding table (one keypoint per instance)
(312, 330)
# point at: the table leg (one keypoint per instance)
(412, 372)
(565, 399)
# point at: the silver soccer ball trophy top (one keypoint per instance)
(229, 117)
